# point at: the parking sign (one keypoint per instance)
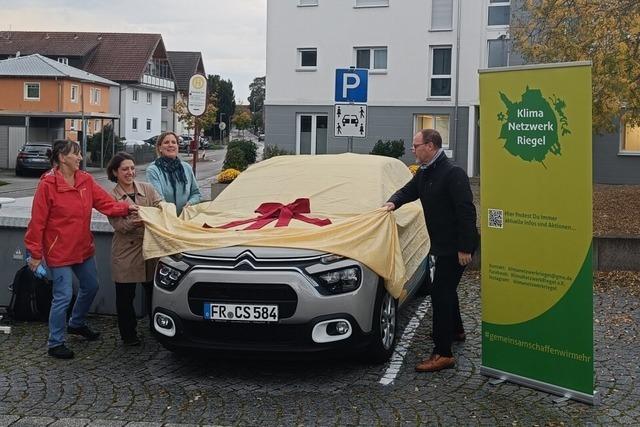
(351, 84)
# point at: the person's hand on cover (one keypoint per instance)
(464, 258)
(133, 208)
(389, 206)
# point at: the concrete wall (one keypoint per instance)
(13, 221)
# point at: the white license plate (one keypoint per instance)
(241, 312)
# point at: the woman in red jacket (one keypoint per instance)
(59, 232)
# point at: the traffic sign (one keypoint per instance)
(222, 126)
(197, 102)
(350, 120)
(351, 84)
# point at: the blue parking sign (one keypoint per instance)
(351, 84)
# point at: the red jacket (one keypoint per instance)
(60, 226)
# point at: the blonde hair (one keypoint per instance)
(161, 138)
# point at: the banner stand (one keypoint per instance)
(539, 385)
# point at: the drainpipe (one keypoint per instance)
(456, 98)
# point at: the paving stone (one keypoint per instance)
(109, 386)
(71, 422)
(33, 422)
(6, 420)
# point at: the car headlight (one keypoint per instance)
(338, 281)
(168, 277)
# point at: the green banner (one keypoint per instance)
(536, 194)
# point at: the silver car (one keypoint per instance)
(279, 299)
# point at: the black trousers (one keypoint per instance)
(125, 293)
(446, 306)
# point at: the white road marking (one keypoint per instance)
(405, 342)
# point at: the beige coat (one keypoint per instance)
(127, 263)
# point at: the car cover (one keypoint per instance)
(329, 203)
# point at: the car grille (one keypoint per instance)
(247, 334)
(243, 293)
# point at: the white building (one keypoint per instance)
(422, 55)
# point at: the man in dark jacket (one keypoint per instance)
(447, 201)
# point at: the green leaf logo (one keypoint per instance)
(530, 126)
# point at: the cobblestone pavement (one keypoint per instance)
(110, 385)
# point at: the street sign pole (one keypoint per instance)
(197, 105)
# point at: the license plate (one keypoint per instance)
(241, 312)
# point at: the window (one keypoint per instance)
(134, 123)
(433, 121)
(440, 72)
(307, 58)
(148, 125)
(164, 101)
(72, 124)
(370, 3)
(149, 97)
(311, 133)
(373, 58)
(63, 60)
(498, 53)
(441, 15)
(96, 125)
(307, 2)
(630, 138)
(74, 93)
(95, 96)
(135, 95)
(32, 91)
(499, 12)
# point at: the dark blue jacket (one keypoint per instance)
(447, 201)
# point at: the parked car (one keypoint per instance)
(250, 298)
(130, 145)
(33, 158)
(184, 142)
(204, 142)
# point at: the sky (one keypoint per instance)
(231, 34)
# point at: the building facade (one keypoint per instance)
(137, 61)
(43, 100)
(422, 57)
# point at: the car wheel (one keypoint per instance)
(385, 325)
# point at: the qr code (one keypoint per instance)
(496, 218)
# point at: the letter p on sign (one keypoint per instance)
(351, 85)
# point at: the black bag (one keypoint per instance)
(30, 296)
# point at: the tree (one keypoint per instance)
(256, 103)
(606, 32)
(204, 121)
(256, 97)
(223, 92)
(242, 121)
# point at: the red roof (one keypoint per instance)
(115, 56)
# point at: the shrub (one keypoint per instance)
(388, 148)
(235, 159)
(227, 176)
(249, 148)
(273, 151)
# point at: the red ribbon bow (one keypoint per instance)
(283, 213)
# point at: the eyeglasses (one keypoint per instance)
(415, 146)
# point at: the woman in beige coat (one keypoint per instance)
(128, 267)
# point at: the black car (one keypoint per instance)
(33, 158)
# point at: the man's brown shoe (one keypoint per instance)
(436, 363)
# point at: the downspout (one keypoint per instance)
(456, 98)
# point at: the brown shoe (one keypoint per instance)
(436, 363)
